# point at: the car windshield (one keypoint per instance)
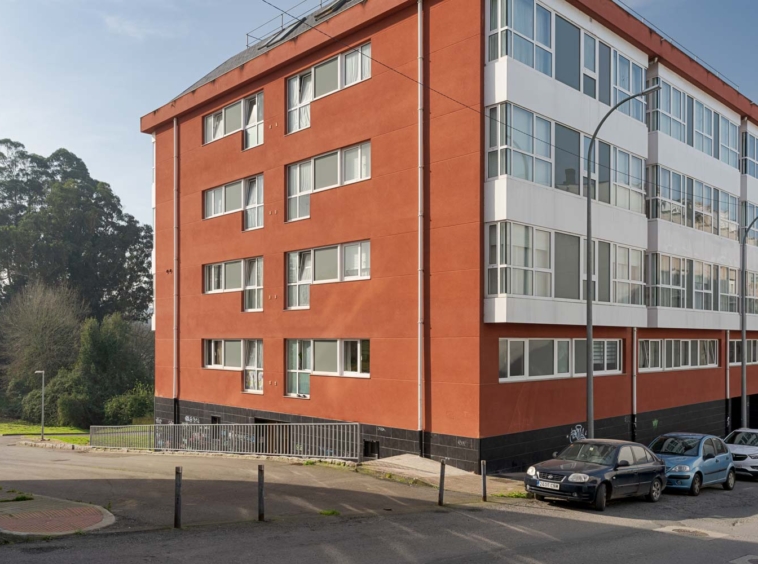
(589, 452)
(742, 438)
(684, 446)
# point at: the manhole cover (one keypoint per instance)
(690, 532)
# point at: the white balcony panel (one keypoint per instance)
(749, 188)
(673, 318)
(509, 80)
(680, 157)
(686, 242)
(508, 198)
(547, 311)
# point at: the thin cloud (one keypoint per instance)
(140, 30)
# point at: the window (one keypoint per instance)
(336, 263)
(224, 199)
(337, 168)
(357, 65)
(519, 260)
(728, 216)
(323, 79)
(567, 53)
(299, 368)
(706, 207)
(625, 455)
(735, 351)
(214, 127)
(533, 358)
(628, 276)
(226, 276)
(254, 366)
(356, 356)
(675, 354)
(628, 189)
(325, 357)
(668, 111)
(299, 96)
(749, 155)
(606, 356)
(229, 120)
(589, 80)
(254, 203)
(703, 128)
(629, 79)
(567, 157)
(728, 291)
(523, 149)
(703, 285)
(668, 281)
(751, 293)
(728, 135)
(254, 121)
(752, 236)
(223, 354)
(668, 197)
(523, 30)
(356, 260)
(566, 266)
(298, 279)
(254, 284)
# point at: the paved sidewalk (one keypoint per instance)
(414, 469)
(39, 515)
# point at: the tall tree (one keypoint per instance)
(58, 224)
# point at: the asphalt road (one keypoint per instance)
(380, 521)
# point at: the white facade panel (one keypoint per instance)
(673, 318)
(519, 309)
(686, 242)
(508, 198)
(749, 188)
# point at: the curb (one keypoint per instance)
(108, 519)
(87, 448)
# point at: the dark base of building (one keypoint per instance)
(514, 452)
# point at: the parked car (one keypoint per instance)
(596, 470)
(694, 461)
(743, 444)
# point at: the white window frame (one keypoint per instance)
(618, 90)
(504, 266)
(661, 196)
(633, 184)
(296, 371)
(223, 190)
(704, 205)
(255, 208)
(702, 285)
(749, 155)
(502, 31)
(735, 351)
(620, 276)
(658, 366)
(728, 291)
(656, 271)
(364, 250)
(303, 105)
(257, 286)
(662, 114)
(257, 121)
(728, 219)
(361, 344)
(210, 362)
(208, 268)
(701, 135)
(341, 371)
(364, 64)
(209, 119)
(591, 73)
(364, 150)
(255, 370)
(595, 342)
(731, 147)
(670, 348)
(299, 282)
(572, 343)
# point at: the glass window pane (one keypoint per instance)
(233, 118)
(541, 357)
(566, 266)
(563, 357)
(325, 356)
(542, 134)
(366, 258)
(366, 61)
(326, 264)
(351, 163)
(350, 356)
(366, 356)
(326, 171)
(523, 17)
(541, 249)
(523, 50)
(521, 245)
(543, 61)
(543, 26)
(516, 356)
(580, 356)
(567, 49)
(233, 200)
(352, 67)
(233, 275)
(366, 160)
(521, 130)
(233, 354)
(502, 355)
(589, 53)
(326, 77)
(567, 151)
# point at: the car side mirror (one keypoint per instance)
(709, 456)
(622, 464)
(555, 454)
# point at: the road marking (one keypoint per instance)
(749, 559)
(691, 532)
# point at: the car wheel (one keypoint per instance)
(600, 498)
(655, 491)
(731, 479)
(697, 484)
(539, 497)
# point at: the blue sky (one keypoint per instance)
(79, 73)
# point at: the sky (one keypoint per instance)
(79, 74)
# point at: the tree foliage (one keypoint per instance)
(59, 225)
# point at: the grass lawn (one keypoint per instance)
(13, 427)
(70, 439)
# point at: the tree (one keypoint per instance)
(58, 224)
(113, 359)
(134, 404)
(39, 330)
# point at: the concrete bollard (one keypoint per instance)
(178, 498)
(484, 480)
(260, 493)
(441, 499)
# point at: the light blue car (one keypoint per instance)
(694, 461)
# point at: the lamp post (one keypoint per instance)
(589, 263)
(743, 318)
(43, 401)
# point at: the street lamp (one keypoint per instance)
(43, 401)
(743, 318)
(589, 263)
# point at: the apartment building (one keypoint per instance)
(377, 214)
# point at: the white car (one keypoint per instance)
(743, 444)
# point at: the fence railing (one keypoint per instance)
(306, 440)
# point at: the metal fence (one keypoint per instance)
(306, 440)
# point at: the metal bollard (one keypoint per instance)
(441, 499)
(484, 480)
(178, 498)
(260, 493)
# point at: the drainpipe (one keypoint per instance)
(728, 395)
(176, 273)
(634, 384)
(420, 359)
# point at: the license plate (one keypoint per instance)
(548, 485)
